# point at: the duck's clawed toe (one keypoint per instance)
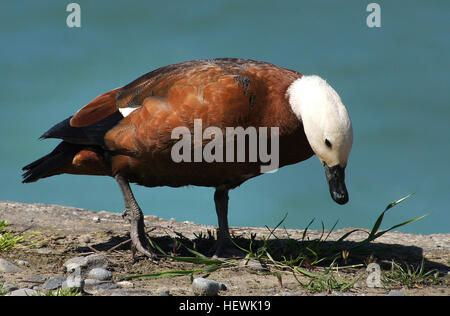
(142, 245)
(226, 250)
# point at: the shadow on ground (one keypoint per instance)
(299, 252)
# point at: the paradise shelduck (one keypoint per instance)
(130, 133)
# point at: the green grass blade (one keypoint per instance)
(331, 230)
(208, 269)
(9, 240)
(161, 274)
(197, 260)
(307, 273)
(375, 236)
(196, 253)
(377, 224)
(306, 229)
(392, 204)
(343, 237)
(275, 228)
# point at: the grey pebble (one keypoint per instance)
(73, 281)
(35, 278)
(44, 251)
(90, 282)
(206, 287)
(22, 263)
(53, 283)
(100, 274)
(125, 284)
(395, 293)
(22, 292)
(86, 263)
(8, 267)
(101, 288)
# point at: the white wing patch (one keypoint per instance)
(126, 111)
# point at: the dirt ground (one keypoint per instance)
(66, 232)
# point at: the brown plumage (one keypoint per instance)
(222, 92)
(227, 92)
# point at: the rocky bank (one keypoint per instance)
(72, 247)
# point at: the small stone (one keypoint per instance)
(90, 282)
(75, 263)
(96, 219)
(101, 288)
(53, 283)
(100, 274)
(73, 282)
(44, 251)
(206, 287)
(35, 278)
(22, 263)
(22, 292)
(125, 284)
(86, 263)
(8, 267)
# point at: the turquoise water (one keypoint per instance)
(394, 81)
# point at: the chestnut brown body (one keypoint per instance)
(223, 93)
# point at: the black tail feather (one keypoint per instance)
(74, 140)
(89, 135)
(64, 131)
(46, 165)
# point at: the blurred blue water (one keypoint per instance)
(394, 81)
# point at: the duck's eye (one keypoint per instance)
(327, 142)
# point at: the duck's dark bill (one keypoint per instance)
(336, 182)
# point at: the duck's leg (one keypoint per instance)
(134, 215)
(224, 247)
